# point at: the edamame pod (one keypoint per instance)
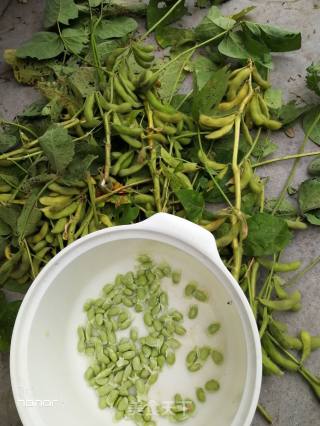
(237, 81)
(217, 134)
(243, 92)
(306, 344)
(141, 54)
(277, 357)
(131, 170)
(88, 112)
(60, 201)
(111, 59)
(59, 226)
(41, 234)
(255, 111)
(213, 122)
(259, 80)
(63, 190)
(269, 367)
(128, 131)
(67, 211)
(210, 164)
(169, 118)
(158, 105)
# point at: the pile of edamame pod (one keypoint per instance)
(110, 144)
(123, 369)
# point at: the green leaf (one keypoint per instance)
(9, 215)
(211, 93)
(59, 147)
(308, 122)
(203, 69)
(14, 286)
(126, 214)
(83, 81)
(232, 46)
(313, 78)
(273, 98)
(267, 235)
(171, 78)
(290, 112)
(80, 165)
(4, 229)
(264, 147)
(223, 149)
(74, 39)
(275, 38)
(59, 11)
(43, 45)
(115, 28)
(7, 142)
(30, 216)
(309, 195)
(250, 203)
(8, 313)
(192, 202)
(286, 209)
(157, 9)
(170, 36)
(213, 24)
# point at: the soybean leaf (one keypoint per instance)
(192, 202)
(59, 147)
(313, 217)
(74, 39)
(267, 235)
(34, 110)
(264, 147)
(232, 46)
(126, 214)
(7, 142)
(43, 45)
(170, 36)
(80, 165)
(308, 121)
(115, 28)
(30, 216)
(8, 313)
(124, 7)
(4, 229)
(59, 11)
(286, 209)
(211, 93)
(273, 98)
(9, 215)
(157, 9)
(250, 203)
(223, 149)
(290, 112)
(275, 38)
(309, 195)
(172, 78)
(213, 24)
(83, 81)
(203, 69)
(14, 286)
(313, 78)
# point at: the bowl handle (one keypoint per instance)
(186, 231)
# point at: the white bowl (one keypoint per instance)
(47, 371)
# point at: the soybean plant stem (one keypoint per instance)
(19, 126)
(153, 160)
(287, 157)
(165, 16)
(295, 165)
(107, 165)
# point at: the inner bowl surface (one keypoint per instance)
(47, 371)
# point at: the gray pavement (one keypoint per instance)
(288, 399)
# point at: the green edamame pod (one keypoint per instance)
(63, 190)
(263, 106)
(5, 188)
(315, 342)
(242, 94)
(246, 132)
(147, 80)
(126, 158)
(143, 199)
(141, 54)
(213, 122)
(24, 266)
(259, 80)
(75, 220)
(107, 106)
(282, 305)
(124, 77)
(59, 226)
(158, 105)
(131, 170)
(229, 237)
(279, 267)
(277, 357)
(255, 111)
(124, 95)
(120, 129)
(269, 367)
(237, 81)
(255, 184)
(246, 176)
(41, 234)
(111, 59)
(88, 112)
(59, 201)
(170, 118)
(210, 164)
(306, 344)
(217, 134)
(285, 340)
(272, 124)
(40, 245)
(165, 128)
(67, 211)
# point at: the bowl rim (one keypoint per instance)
(247, 318)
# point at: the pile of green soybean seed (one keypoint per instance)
(122, 369)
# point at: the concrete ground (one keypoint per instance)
(288, 399)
